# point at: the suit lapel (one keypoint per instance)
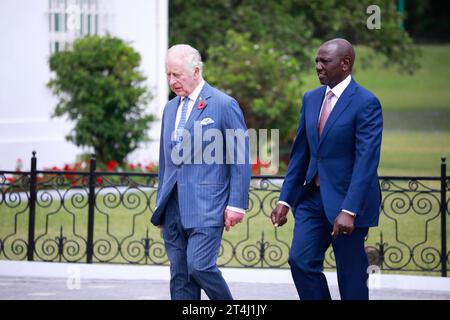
(343, 101)
(204, 95)
(172, 115)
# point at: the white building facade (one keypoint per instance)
(30, 31)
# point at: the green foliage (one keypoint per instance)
(296, 27)
(102, 92)
(269, 89)
(427, 20)
(264, 81)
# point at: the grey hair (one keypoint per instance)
(191, 57)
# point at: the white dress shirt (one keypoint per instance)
(337, 92)
(192, 98)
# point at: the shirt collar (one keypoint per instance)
(194, 95)
(340, 87)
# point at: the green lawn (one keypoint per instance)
(415, 153)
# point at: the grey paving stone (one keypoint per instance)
(58, 289)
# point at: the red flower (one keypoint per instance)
(201, 104)
(11, 179)
(68, 168)
(256, 167)
(111, 165)
(131, 166)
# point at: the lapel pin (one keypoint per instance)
(201, 104)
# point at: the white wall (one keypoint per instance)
(26, 103)
(149, 36)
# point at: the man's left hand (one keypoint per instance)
(343, 225)
(231, 218)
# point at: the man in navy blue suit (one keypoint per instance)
(332, 184)
(201, 188)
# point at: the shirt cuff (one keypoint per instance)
(349, 212)
(285, 203)
(236, 209)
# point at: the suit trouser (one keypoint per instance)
(312, 237)
(193, 255)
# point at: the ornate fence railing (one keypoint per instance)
(103, 217)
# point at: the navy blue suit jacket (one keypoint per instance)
(346, 156)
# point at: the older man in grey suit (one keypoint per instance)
(198, 196)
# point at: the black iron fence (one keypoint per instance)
(103, 217)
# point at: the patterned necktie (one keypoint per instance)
(326, 110)
(183, 117)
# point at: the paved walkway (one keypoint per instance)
(37, 280)
(57, 289)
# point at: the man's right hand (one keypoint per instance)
(279, 215)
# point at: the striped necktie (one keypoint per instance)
(183, 117)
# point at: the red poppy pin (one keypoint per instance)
(201, 104)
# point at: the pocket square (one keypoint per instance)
(206, 121)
